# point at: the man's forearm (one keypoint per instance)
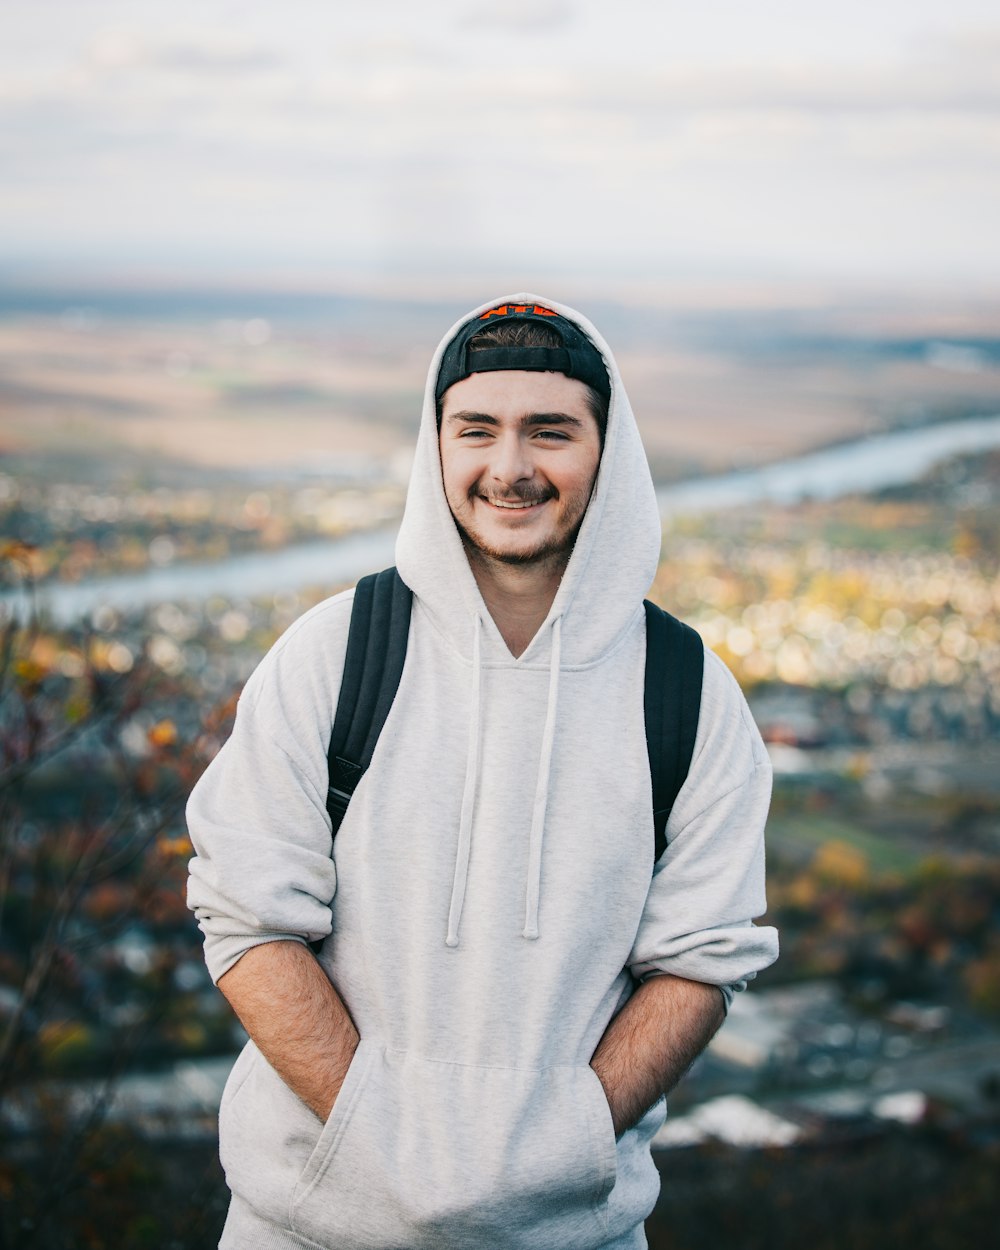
(296, 1019)
(652, 1042)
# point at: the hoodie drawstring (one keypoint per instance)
(532, 889)
(468, 793)
(534, 882)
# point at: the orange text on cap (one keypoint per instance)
(506, 310)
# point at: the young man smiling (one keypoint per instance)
(509, 984)
(519, 457)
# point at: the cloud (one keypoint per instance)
(948, 83)
(365, 137)
(117, 50)
(521, 17)
(197, 58)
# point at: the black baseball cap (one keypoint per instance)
(576, 358)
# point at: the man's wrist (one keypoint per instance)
(611, 1095)
(652, 1042)
(340, 1076)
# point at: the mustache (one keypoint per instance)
(519, 495)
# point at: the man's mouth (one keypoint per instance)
(515, 504)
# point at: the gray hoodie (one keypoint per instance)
(491, 898)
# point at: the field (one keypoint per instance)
(253, 383)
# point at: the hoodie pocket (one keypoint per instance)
(237, 1078)
(422, 1153)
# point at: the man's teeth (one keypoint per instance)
(521, 503)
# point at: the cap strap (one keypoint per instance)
(584, 366)
(490, 358)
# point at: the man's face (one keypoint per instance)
(519, 456)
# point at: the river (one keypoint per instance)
(856, 467)
(861, 466)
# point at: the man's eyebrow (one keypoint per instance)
(481, 418)
(532, 418)
(552, 418)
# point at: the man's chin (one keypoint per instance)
(513, 556)
(522, 558)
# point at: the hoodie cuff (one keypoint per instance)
(222, 953)
(727, 991)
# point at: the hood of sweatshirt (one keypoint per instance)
(613, 561)
(611, 566)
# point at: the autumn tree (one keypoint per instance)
(99, 748)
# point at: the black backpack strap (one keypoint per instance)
(675, 665)
(373, 665)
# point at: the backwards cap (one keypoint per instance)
(576, 358)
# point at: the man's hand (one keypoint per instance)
(652, 1042)
(296, 1019)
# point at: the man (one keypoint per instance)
(508, 984)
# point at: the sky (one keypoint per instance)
(850, 140)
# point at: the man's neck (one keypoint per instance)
(517, 596)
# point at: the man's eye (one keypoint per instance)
(554, 435)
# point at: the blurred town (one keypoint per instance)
(864, 628)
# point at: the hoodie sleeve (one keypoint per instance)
(709, 883)
(262, 869)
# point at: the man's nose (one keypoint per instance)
(512, 460)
